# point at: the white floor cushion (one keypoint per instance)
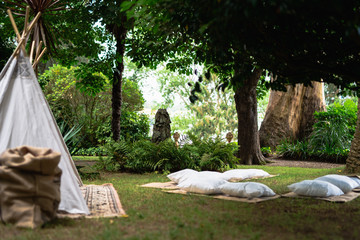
(241, 174)
(202, 184)
(247, 190)
(346, 184)
(181, 175)
(357, 180)
(315, 188)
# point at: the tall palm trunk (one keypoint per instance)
(119, 33)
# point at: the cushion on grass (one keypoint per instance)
(240, 174)
(357, 180)
(247, 190)
(209, 174)
(201, 184)
(315, 188)
(346, 184)
(181, 175)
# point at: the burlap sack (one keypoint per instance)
(29, 186)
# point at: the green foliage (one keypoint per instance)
(145, 156)
(91, 151)
(213, 115)
(80, 104)
(70, 136)
(117, 154)
(339, 113)
(148, 157)
(290, 150)
(331, 137)
(214, 154)
(134, 126)
(5, 51)
(266, 151)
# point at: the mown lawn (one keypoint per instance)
(157, 215)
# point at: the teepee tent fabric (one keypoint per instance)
(26, 119)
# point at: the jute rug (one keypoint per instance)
(171, 187)
(347, 197)
(102, 201)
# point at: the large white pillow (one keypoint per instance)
(209, 174)
(315, 188)
(201, 184)
(247, 190)
(346, 184)
(241, 174)
(357, 180)
(181, 175)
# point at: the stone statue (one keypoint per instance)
(161, 129)
(229, 137)
(176, 137)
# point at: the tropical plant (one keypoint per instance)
(116, 156)
(71, 136)
(214, 154)
(331, 137)
(145, 156)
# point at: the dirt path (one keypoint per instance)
(304, 164)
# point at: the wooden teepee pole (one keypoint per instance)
(15, 28)
(38, 58)
(27, 30)
(31, 55)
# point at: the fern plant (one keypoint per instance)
(117, 155)
(215, 154)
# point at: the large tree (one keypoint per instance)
(178, 33)
(299, 42)
(290, 114)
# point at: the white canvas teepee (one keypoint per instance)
(26, 119)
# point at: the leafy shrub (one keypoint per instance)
(331, 137)
(92, 151)
(70, 135)
(339, 113)
(297, 150)
(266, 151)
(84, 98)
(117, 155)
(148, 156)
(145, 156)
(134, 126)
(220, 155)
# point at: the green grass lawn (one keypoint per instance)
(157, 215)
(85, 158)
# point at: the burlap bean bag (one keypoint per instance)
(29, 186)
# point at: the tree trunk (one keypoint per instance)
(353, 160)
(119, 33)
(246, 108)
(290, 114)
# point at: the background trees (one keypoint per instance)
(91, 113)
(180, 32)
(213, 115)
(296, 42)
